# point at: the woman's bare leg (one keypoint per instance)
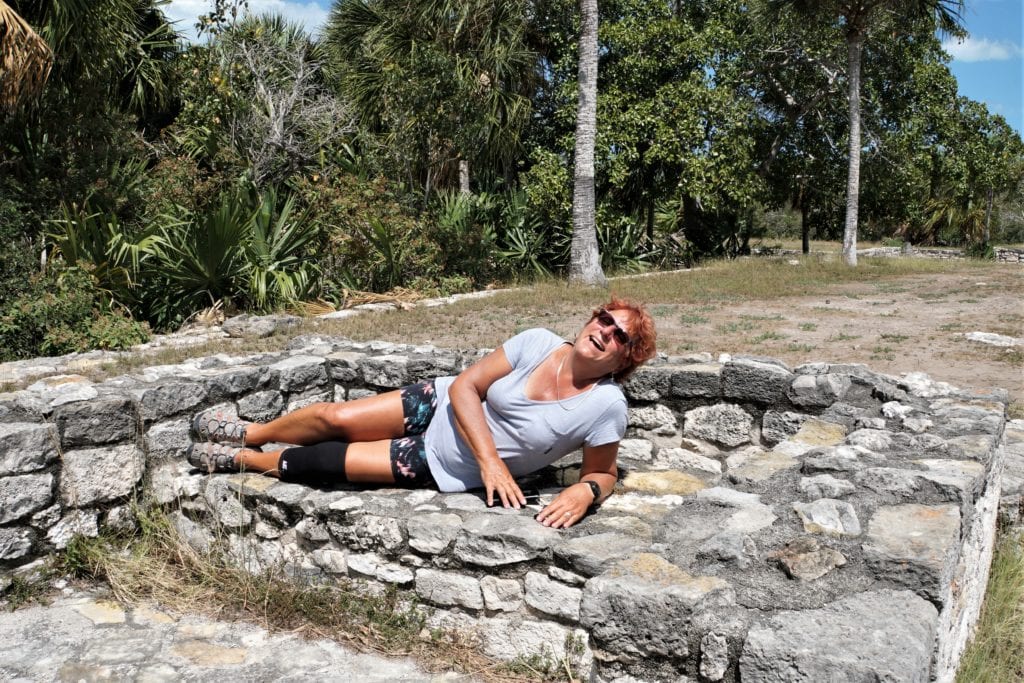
(367, 462)
(367, 419)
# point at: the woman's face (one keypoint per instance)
(599, 340)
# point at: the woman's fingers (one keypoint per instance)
(498, 480)
(566, 509)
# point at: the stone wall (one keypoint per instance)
(770, 523)
(1001, 254)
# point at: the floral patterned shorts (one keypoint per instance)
(408, 453)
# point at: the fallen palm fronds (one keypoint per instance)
(25, 59)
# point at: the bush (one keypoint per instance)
(62, 313)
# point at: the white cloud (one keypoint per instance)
(310, 14)
(982, 49)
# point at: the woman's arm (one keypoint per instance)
(571, 504)
(466, 395)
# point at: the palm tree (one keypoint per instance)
(585, 259)
(25, 59)
(857, 18)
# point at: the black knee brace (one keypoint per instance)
(322, 463)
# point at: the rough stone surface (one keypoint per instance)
(97, 475)
(552, 597)
(875, 636)
(757, 380)
(805, 559)
(493, 541)
(778, 426)
(97, 421)
(914, 545)
(505, 595)
(828, 516)
(725, 424)
(23, 495)
(26, 447)
(449, 588)
(825, 486)
(591, 555)
(433, 532)
(714, 656)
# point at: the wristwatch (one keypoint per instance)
(594, 488)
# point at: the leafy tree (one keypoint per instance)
(857, 18)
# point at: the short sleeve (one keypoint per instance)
(610, 427)
(526, 346)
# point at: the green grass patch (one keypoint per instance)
(794, 347)
(770, 335)
(692, 319)
(736, 326)
(951, 327)
(777, 316)
(996, 653)
(883, 353)
(895, 338)
(842, 336)
(808, 327)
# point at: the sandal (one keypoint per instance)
(213, 457)
(219, 427)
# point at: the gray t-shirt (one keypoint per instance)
(528, 434)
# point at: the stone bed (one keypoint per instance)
(818, 523)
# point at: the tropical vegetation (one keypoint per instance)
(439, 146)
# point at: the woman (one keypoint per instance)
(520, 408)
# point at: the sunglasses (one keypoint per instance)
(605, 319)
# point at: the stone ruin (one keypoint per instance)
(817, 523)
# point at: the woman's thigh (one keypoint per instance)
(369, 462)
(372, 418)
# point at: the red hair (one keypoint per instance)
(641, 334)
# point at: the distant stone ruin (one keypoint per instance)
(818, 523)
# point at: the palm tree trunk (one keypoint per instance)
(585, 260)
(855, 46)
(463, 176)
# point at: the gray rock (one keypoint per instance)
(99, 421)
(552, 597)
(639, 450)
(643, 606)
(714, 656)
(331, 560)
(657, 418)
(168, 440)
(225, 504)
(915, 546)
(825, 486)
(876, 636)
(449, 588)
(263, 406)
(877, 440)
(900, 484)
(650, 383)
(724, 424)
(15, 542)
(828, 516)
(367, 532)
(312, 530)
(259, 326)
(26, 447)
(840, 459)
(165, 398)
(74, 523)
(496, 540)
(698, 380)
(97, 475)
(343, 366)
(230, 382)
(756, 380)
(432, 533)
(300, 373)
(22, 495)
(729, 547)
(591, 555)
(566, 577)
(505, 595)
(818, 391)
(198, 537)
(688, 462)
(371, 565)
(389, 371)
(805, 559)
(776, 426)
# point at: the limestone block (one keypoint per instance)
(874, 636)
(496, 540)
(727, 497)
(299, 373)
(566, 577)
(512, 638)
(355, 394)
(877, 440)
(778, 426)
(198, 537)
(920, 384)
(169, 440)
(424, 366)
(46, 517)
(259, 326)
(915, 546)
(225, 504)
(688, 462)
(828, 516)
(896, 483)
(504, 595)
(262, 406)
(312, 530)
(841, 459)
(287, 495)
(331, 560)
(97, 475)
(813, 433)
(368, 532)
(432, 533)
(15, 542)
(643, 605)
(977, 447)
(74, 523)
(805, 559)
(656, 418)
(698, 380)
(449, 588)
(663, 482)
(343, 366)
(390, 371)
(99, 421)
(552, 597)
(825, 486)
(762, 381)
(26, 446)
(650, 383)
(730, 548)
(714, 656)
(236, 380)
(818, 391)
(22, 495)
(165, 398)
(56, 390)
(308, 399)
(373, 566)
(760, 466)
(640, 450)
(173, 481)
(725, 424)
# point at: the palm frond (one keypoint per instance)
(25, 60)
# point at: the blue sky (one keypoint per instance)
(988, 65)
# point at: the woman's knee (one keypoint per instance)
(338, 417)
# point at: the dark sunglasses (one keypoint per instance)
(605, 319)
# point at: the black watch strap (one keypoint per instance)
(595, 489)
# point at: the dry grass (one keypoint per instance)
(158, 566)
(996, 654)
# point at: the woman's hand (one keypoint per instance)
(568, 507)
(498, 480)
